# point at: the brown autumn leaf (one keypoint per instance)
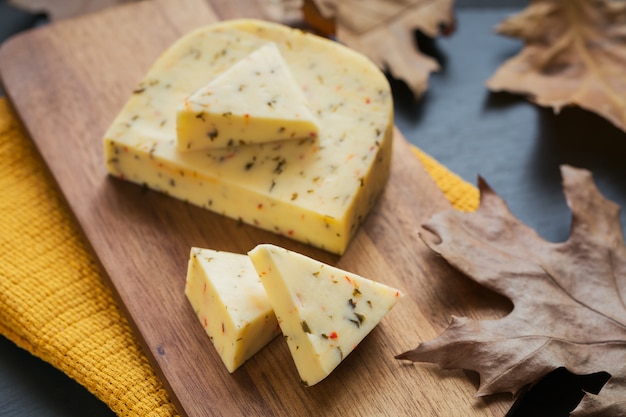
(569, 298)
(288, 12)
(574, 54)
(383, 30)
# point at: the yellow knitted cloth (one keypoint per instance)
(54, 302)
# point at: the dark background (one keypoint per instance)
(515, 145)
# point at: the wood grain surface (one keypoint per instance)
(67, 82)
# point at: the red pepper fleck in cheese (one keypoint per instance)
(315, 190)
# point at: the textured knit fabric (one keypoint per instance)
(462, 195)
(54, 302)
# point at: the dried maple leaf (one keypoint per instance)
(574, 54)
(569, 298)
(383, 30)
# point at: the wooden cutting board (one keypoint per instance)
(67, 82)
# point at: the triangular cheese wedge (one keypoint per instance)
(256, 100)
(225, 292)
(323, 311)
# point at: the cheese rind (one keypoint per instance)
(256, 100)
(317, 191)
(224, 291)
(323, 311)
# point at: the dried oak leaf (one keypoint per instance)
(383, 30)
(574, 54)
(569, 298)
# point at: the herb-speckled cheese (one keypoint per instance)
(256, 100)
(323, 311)
(314, 190)
(224, 290)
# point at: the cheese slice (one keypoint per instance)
(256, 100)
(315, 190)
(323, 311)
(225, 292)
